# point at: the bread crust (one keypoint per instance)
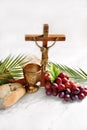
(11, 93)
(11, 98)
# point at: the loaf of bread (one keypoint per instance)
(11, 93)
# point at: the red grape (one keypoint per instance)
(81, 96)
(55, 92)
(64, 80)
(73, 85)
(85, 91)
(49, 91)
(68, 91)
(67, 85)
(48, 85)
(61, 94)
(61, 75)
(58, 80)
(67, 97)
(54, 85)
(61, 87)
(71, 82)
(85, 88)
(47, 77)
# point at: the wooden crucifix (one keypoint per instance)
(45, 38)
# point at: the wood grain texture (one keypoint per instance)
(51, 37)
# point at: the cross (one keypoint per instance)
(45, 38)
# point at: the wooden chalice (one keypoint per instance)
(32, 75)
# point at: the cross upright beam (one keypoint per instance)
(45, 38)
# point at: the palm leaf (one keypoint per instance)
(11, 68)
(77, 75)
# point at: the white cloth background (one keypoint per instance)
(69, 17)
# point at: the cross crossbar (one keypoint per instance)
(51, 37)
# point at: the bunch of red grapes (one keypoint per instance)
(64, 88)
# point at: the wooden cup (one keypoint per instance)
(32, 75)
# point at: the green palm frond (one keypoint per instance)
(11, 68)
(77, 75)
